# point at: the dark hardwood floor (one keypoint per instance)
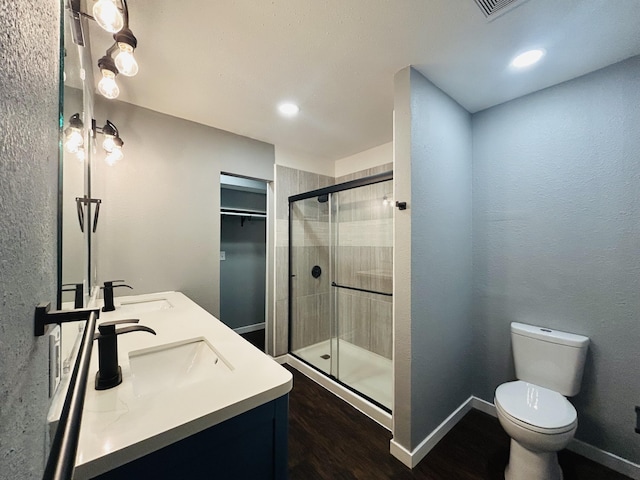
(329, 439)
(256, 338)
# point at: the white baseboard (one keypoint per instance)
(411, 459)
(484, 406)
(607, 459)
(249, 328)
(282, 359)
(596, 454)
(372, 411)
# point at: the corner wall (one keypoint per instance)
(159, 226)
(28, 226)
(556, 197)
(432, 346)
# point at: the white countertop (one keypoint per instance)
(119, 426)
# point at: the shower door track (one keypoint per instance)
(342, 384)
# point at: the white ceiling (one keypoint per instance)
(228, 64)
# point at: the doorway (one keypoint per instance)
(243, 256)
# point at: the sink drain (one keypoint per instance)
(326, 356)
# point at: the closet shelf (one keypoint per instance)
(241, 212)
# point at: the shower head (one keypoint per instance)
(323, 198)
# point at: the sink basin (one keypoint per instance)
(144, 306)
(176, 365)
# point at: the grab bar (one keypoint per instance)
(62, 457)
(334, 284)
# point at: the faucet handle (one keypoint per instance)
(118, 322)
(110, 284)
(109, 328)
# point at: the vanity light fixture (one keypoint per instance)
(108, 86)
(528, 58)
(125, 61)
(106, 13)
(112, 16)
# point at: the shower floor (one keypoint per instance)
(360, 369)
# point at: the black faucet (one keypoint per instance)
(108, 294)
(78, 288)
(109, 373)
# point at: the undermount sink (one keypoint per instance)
(144, 306)
(174, 366)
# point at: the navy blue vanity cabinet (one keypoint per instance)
(250, 446)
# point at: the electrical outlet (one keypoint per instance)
(223, 255)
(637, 419)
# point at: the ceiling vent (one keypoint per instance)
(494, 8)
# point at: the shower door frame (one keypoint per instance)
(360, 182)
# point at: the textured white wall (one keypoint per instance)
(557, 239)
(28, 223)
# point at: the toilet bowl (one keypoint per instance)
(533, 410)
(540, 422)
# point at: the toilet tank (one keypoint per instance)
(549, 358)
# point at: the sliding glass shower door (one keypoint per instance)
(341, 250)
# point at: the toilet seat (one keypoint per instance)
(535, 408)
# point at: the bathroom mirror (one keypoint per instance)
(76, 214)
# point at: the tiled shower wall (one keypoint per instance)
(364, 259)
(290, 181)
(365, 318)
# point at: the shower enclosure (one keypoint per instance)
(341, 284)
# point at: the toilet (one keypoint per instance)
(533, 410)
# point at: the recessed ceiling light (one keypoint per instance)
(288, 109)
(527, 58)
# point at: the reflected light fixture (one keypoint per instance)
(527, 58)
(387, 200)
(107, 86)
(108, 16)
(288, 109)
(73, 139)
(112, 143)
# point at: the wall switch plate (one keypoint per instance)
(54, 359)
(223, 255)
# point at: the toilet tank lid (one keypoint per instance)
(549, 335)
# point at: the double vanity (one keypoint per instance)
(195, 399)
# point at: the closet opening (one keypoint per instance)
(243, 256)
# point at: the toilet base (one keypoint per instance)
(525, 464)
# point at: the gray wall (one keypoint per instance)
(28, 225)
(159, 222)
(556, 196)
(440, 209)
